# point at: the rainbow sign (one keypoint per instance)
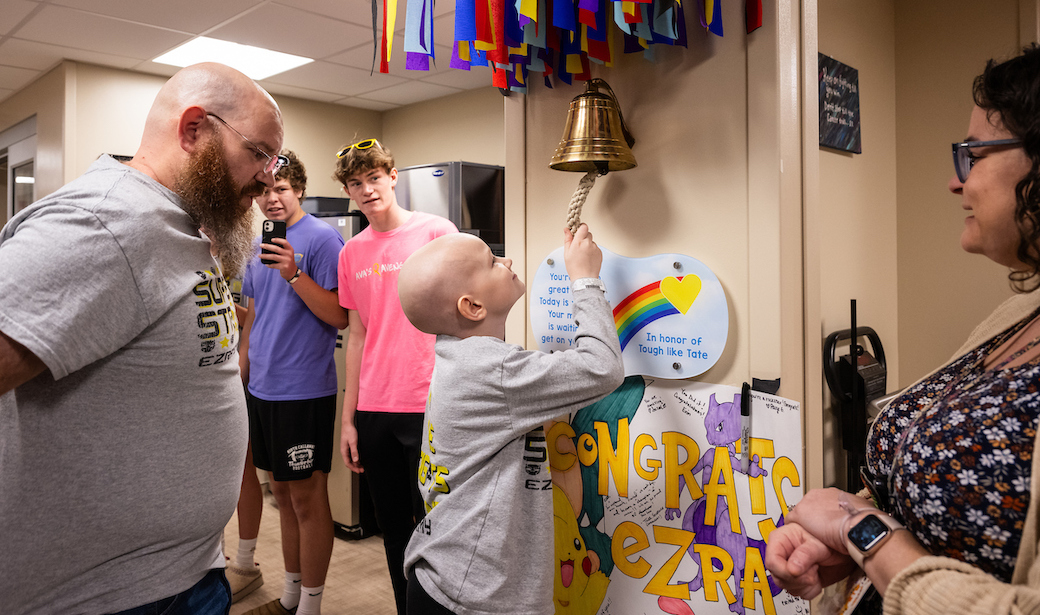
(669, 310)
(640, 309)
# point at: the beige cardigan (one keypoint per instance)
(941, 585)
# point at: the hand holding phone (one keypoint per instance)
(271, 229)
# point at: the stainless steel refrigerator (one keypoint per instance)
(470, 194)
(344, 488)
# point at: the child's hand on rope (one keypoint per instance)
(581, 254)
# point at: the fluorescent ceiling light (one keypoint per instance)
(24, 180)
(256, 62)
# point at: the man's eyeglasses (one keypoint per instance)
(963, 160)
(367, 143)
(274, 163)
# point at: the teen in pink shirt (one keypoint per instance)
(388, 361)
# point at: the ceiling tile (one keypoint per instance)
(312, 36)
(194, 16)
(474, 78)
(327, 77)
(410, 92)
(296, 92)
(154, 68)
(71, 28)
(16, 78)
(361, 103)
(443, 30)
(127, 34)
(355, 11)
(14, 12)
(41, 56)
(361, 57)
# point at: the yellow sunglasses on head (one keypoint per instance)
(367, 143)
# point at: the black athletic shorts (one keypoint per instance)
(292, 439)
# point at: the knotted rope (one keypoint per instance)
(580, 194)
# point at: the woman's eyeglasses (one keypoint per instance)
(963, 160)
(367, 143)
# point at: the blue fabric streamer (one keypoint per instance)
(514, 35)
(465, 20)
(599, 33)
(664, 27)
(418, 28)
(715, 27)
(564, 16)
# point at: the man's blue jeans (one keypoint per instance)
(210, 596)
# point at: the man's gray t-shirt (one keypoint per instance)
(120, 464)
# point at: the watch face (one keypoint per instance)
(868, 532)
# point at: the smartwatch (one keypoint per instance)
(867, 536)
(581, 283)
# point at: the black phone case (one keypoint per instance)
(272, 229)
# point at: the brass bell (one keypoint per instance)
(595, 137)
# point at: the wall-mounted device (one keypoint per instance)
(854, 379)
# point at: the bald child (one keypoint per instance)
(486, 543)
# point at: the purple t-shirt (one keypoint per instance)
(291, 349)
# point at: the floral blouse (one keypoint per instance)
(957, 448)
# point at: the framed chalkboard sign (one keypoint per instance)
(839, 106)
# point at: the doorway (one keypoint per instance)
(17, 168)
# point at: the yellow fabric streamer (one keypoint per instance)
(518, 73)
(391, 25)
(529, 9)
(574, 66)
(464, 51)
(709, 11)
(628, 7)
(585, 38)
(613, 47)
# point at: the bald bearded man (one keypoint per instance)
(122, 416)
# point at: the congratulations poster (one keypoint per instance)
(657, 508)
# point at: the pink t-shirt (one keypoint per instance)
(398, 358)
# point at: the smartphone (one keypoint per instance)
(272, 229)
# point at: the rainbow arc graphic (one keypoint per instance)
(641, 308)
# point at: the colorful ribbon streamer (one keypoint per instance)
(558, 38)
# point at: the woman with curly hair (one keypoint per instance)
(949, 524)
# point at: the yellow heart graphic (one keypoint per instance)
(681, 293)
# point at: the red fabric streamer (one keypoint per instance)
(384, 64)
(500, 53)
(753, 15)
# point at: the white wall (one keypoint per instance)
(688, 112)
(857, 199)
(466, 126)
(941, 45)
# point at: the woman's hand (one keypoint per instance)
(825, 513)
(802, 564)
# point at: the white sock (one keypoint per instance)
(244, 557)
(291, 593)
(310, 601)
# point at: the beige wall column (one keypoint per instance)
(515, 151)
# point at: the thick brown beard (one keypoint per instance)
(212, 200)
